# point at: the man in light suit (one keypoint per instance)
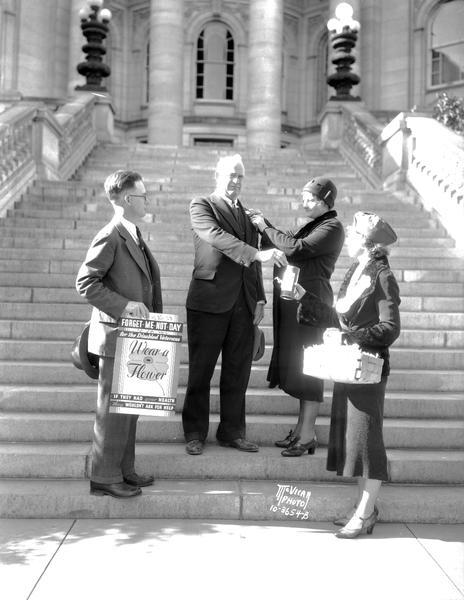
(119, 278)
(225, 299)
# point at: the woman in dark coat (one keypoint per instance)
(367, 314)
(314, 248)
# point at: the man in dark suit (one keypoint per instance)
(119, 277)
(225, 299)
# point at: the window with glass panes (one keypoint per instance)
(215, 63)
(447, 43)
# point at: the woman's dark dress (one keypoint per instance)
(356, 446)
(314, 249)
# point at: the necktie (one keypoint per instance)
(144, 252)
(239, 215)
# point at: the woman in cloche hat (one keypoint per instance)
(313, 248)
(367, 314)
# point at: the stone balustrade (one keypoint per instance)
(361, 140)
(423, 155)
(414, 152)
(36, 142)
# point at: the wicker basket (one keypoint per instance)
(342, 363)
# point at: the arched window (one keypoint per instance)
(215, 63)
(447, 43)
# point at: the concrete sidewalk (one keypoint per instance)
(90, 559)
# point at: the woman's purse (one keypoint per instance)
(343, 363)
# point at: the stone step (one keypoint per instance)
(177, 297)
(406, 358)
(263, 429)
(81, 312)
(273, 206)
(267, 198)
(259, 191)
(68, 330)
(164, 251)
(28, 242)
(173, 264)
(41, 372)
(221, 499)
(166, 230)
(256, 174)
(71, 461)
(160, 242)
(396, 220)
(422, 288)
(81, 398)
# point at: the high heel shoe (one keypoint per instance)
(297, 449)
(288, 441)
(344, 520)
(358, 527)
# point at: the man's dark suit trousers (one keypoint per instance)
(208, 334)
(113, 449)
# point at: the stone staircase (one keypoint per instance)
(47, 405)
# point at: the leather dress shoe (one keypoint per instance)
(240, 444)
(297, 449)
(117, 490)
(344, 520)
(356, 526)
(288, 441)
(195, 447)
(139, 480)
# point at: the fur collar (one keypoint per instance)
(364, 286)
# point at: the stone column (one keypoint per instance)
(165, 121)
(76, 41)
(265, 73)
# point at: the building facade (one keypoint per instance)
(233, 71)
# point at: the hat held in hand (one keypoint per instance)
(81, 358)
(374, 228)
(258, 343)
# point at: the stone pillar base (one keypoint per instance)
(331, 126)
(104, 119)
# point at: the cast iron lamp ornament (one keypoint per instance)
(343, 35)
(94, 25)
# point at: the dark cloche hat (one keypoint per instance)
(81, 357)
(374, 228)
(323, 188)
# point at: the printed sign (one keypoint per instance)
(146, 366)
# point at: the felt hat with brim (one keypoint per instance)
(81, 357)
(374, 228)
(258, 343)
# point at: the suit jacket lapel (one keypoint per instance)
(247, 225)
(133, 248)
(224, 211)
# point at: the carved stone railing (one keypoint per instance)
(352, 129)
(413, 153)
(64, 138)
(361, 142)
(36, 142)
(17, 166)
(422, 155)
